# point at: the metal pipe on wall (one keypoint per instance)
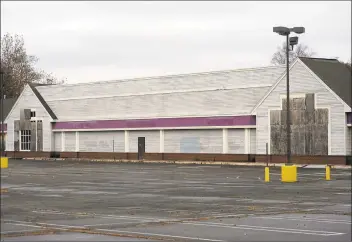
(2, 143)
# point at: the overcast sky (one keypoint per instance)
(90, 41)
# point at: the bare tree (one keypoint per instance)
(301, 50)
(348, 64)
(19, 67)
(50, 79)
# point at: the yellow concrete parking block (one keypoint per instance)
(4, 162)
(289, 173)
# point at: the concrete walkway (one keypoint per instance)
(221, 163)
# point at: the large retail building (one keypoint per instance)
(235, 112)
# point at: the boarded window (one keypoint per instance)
(190, 145)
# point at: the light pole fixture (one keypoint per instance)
(284, 31)
(2, 147)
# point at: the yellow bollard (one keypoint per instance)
(4, 162)
(289, 173)
(266, 174)
(328, 173)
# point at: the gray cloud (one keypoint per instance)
(87, 41)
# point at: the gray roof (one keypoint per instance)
(236, 91)
(41, 99)
(336, 75)
(8, 103)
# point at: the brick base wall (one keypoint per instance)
(29, 154)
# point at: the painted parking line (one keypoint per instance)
(38, 225)
(331, 221)
(129, 219)
(50, 212)
(152, 219)
(17, 231)
(21, 224)
(209, 166)
(63, 227)
(188, 167)
(111, 216)
(318, 232)
(300, 174)
(267, 229)
(160, 235)
(229, 186)
(60, 225)
(125, 217)
(313, 216)
(145, 219)
(15, 221)
(106, 224)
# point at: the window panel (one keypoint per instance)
(25, 140)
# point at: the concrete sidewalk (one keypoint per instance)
(221, 163)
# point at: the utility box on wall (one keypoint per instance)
(141, 147)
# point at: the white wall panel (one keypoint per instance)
(193, 141)
(57, 141)
(349, 141)
(236, 141)
(152, 140)
(253, 141)
(70, 141)
(29, 100)
(337, 121)
(102, 141)
(301, 81)
(10, 135)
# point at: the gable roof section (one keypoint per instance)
(335, 70)
(277, 81)
(334, 74)
(41, 99)
(32, 87)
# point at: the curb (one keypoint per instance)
(222, 163)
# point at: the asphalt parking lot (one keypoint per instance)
(67, 200)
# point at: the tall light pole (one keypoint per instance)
(289, 41)
(2, 148)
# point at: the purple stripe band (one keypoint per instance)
(158, 123)
(349, 118)
(5, 127)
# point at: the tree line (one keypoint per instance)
(19, 68)
(301, 50)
